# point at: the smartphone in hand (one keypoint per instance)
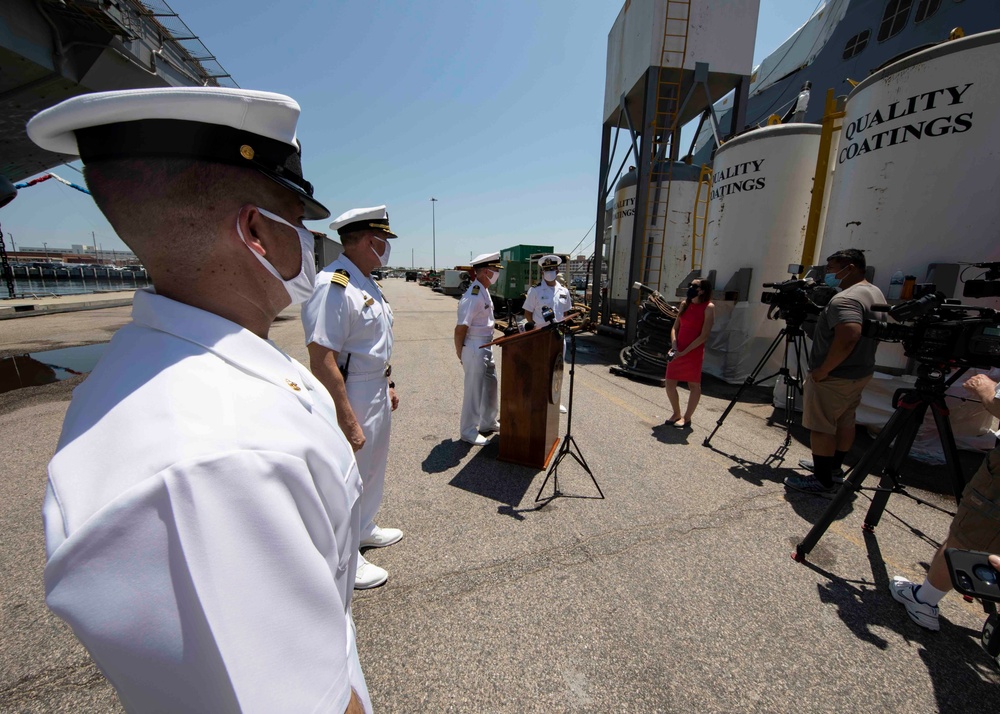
(972, 574)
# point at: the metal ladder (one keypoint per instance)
(668, 98)
(700, 217)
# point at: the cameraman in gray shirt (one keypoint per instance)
(841, 363)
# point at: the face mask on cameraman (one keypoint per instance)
(692, 292)
(832, 280)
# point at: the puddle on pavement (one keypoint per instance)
(37, 368)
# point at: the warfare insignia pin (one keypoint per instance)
(293, 385)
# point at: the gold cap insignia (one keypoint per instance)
(293, 385)
(246, 152)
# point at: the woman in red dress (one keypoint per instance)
(687, 337)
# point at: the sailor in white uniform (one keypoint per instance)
(201, 516)
(549, 293)
(481, 401)
(348, 326)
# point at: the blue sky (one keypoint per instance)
(493, 108)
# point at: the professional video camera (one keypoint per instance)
(988, 284)
(795, 299)
(944, 332)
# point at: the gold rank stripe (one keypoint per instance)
(341, 278)
(382, 226)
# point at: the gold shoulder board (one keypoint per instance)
(475, 289)
(341, 278)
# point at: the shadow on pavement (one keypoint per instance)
(959, 669)
(667, 434)
(485, 476)
(446, 455)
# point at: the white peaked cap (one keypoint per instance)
(362, 219)
(240, 127)
(550, 261)
(485, 259)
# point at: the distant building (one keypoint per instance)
(77, 254)
(577, 267)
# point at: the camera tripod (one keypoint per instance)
(569, 446)
(911, 406)
(794, 338)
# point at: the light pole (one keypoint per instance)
(433, 238)
(46, 247)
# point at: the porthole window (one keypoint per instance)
(926, 8)
(894, 18)
(856, 44)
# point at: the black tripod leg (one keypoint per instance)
(569, 445)
(750, 380)
(578, 455)
(896, 423)
(893, 468)
(940, 411)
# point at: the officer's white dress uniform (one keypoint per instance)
(208, 562)
(556, 297)
(202, 511)
(481, 402)
(355, 319)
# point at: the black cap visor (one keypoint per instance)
(172, 138)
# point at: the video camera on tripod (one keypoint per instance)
(795, 299)
(945, 338)
(942, 332)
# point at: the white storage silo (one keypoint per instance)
(761, 191)
(662, 270)
(915, 179)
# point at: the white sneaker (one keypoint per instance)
(381, 537)
(477, 440)
(562, 409)
(924, 615)
(368, 575)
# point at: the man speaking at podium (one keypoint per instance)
(548, 293)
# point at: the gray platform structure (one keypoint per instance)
(668, 62)
(51, 50)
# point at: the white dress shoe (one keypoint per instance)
(477, 440)
(381, 537)
(368, 575)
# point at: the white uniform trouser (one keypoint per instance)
(481, 402)
(373, 410)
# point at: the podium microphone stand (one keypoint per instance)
(569, 446)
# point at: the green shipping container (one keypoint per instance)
(515, 270)
(521, 253)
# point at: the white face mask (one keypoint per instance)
(549, 275)
(299, 288)
(384, 258)
(492, 276)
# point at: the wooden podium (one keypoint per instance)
(532, 364)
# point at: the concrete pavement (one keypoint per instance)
(675, 593)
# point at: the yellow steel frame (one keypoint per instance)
(668, 88)
(830, 125)
(698, 237)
